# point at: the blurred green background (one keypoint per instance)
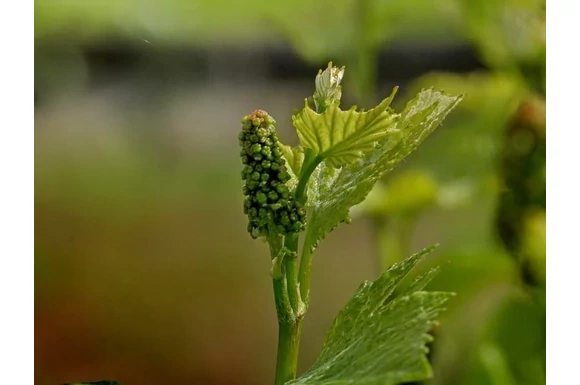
(144, 270)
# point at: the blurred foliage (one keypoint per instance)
(523, 199)
(353, 32)
(207, 22)
(510, 36)
(494, 151)
(408, 193)
(200, 21)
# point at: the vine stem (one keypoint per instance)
(287, 290)
(310, 164)
(305, 270)
(288, 334)
(288, 348)
(289, 308)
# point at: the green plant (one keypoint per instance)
(308, 190)
(302, 193)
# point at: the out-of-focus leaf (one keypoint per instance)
(405, 194)
(534, 244)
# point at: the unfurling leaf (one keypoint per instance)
(294, 158)
(328, 90)
(332, 192)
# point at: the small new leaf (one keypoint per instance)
(294, 158)
(328, 90)
(379, 338)
(341, 137)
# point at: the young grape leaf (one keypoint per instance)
(379, 337)
(328, 90)
(340, 137)
(332, 192)
(294, 158)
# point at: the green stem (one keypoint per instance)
(289, 329)
(279, 282)
(305, 271)
(287, 291)
(291, 266)
(283, 307)
(288, 348)
(289, 308)
(288, 324)
(311, 161)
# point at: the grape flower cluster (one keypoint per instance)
(269, 203)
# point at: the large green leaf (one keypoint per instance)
(379, 337)
(341, 137)
(332, 192)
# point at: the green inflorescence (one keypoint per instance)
(269, 203)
